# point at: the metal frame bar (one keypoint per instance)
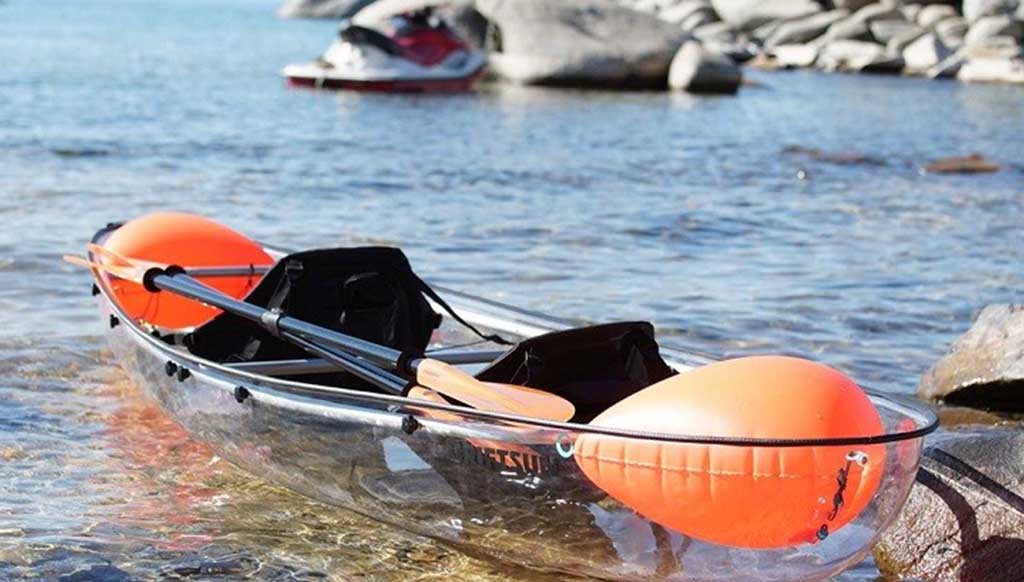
(321, 366)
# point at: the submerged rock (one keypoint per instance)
(591, 43)
(697, 70)
(841, 158)
(985, 367)
(964, 520)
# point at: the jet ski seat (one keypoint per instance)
(355, 34)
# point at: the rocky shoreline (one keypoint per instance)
(699, 45)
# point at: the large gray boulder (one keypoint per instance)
(698, 19)
(856, 25)
(804, 29)
(964, 519)
(591, 43)
(948, 67)
(695, 69)
(886, 30)
(996, 47)
(952, 31)
(679, 12)
(910, 11)
(715, 32)
(749, 14)
(898, 43)
(789, 56)
(931, 15)
(857, 56)
(333, 9)
(993, 70)
(924, 54)
(880, 11)
(988, 27)
(851, 5)
(975, 9)
(985, 367)
(849, 28)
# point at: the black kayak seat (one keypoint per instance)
(361, 35)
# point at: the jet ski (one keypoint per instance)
(409, 52)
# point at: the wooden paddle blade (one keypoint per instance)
(505, 398)
(128, 273)
(108, 254)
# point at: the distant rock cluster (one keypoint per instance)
(696, 44)
(976, 40)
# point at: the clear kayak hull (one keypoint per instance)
(511, 489)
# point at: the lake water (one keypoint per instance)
(710, 216)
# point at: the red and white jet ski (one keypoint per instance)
(411, 52)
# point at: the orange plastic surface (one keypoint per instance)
(743, 496)
(188, 241)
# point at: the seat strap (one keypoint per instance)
(444, 305)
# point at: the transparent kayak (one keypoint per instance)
(512, 487)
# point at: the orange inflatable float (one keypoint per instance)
(189, 241)
(737, 494)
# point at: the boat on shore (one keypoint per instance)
(552, 495)
(411, 51)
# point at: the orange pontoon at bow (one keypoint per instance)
(586, 450)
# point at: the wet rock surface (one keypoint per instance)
(580, 43)
(698, 70)
(985, 367)
(964, 520)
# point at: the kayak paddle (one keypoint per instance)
(434, 374)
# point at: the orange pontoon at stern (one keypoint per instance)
(190, 241)
(743, 496)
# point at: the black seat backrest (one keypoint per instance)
(368, 292)
(593, 367)
(356, 34)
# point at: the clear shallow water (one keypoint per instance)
(687, 211)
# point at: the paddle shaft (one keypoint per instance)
(178, 281)
(345, 351)
(182, 284)
(359, 368)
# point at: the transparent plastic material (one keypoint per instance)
(512, 488)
